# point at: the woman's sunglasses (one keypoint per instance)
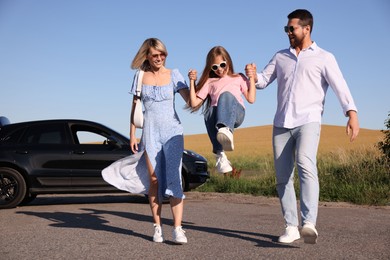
(215, 67)
(156, 56)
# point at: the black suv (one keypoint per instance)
(67, 156)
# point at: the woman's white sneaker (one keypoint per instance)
(157, 237)
(179, 236)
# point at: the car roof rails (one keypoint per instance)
(4, 121)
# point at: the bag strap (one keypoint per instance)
(139, 83)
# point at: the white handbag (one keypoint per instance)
(138, 115)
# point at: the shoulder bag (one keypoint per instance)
(138, 115)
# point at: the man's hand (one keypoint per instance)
(352, 125)
(250, 71)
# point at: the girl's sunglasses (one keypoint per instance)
(215, 67)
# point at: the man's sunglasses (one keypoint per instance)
(215, 67)
(288, 29)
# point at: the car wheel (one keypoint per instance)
(185, 180)
(12, 188)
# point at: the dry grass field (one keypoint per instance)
(256, 141)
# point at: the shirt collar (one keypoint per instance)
(313, 47)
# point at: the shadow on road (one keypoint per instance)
(87, 199)
(94, 219)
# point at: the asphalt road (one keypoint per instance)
(218, 226)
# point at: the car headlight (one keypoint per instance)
(195, 155)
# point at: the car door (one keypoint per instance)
(44, 151)
(94, 149)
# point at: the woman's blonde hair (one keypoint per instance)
(209, 73)
(140, 60)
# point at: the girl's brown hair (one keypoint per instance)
(209, 73)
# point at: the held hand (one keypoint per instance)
(192, 74)
(250, 71)
(352, 125)
(193, 100)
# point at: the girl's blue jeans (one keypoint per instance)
(228, 113)
(298, 145)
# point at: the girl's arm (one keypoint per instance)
(194, 100)
(251, 93)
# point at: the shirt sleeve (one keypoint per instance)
(335, 79)
(133, 87)
(267, 75)
(178, 80)
(204, 91)
(244, 84)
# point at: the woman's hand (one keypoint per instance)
(192, 75)
(194, 100)
(133, 144)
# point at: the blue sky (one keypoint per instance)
(71, 58)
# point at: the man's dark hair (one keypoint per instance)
(304, 16)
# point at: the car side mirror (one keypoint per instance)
(113, 142)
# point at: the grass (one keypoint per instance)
(360, 177)
(348, 172)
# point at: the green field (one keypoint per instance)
(348, 172)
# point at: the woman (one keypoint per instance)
(162, 141)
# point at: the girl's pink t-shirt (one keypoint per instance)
(216, 86)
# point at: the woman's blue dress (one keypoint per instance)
(162, 134)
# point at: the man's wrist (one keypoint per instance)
(351, 113)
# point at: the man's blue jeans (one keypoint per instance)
(299, 144)
(228, 112)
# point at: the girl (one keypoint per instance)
(220, 91)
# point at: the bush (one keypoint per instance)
(384, 146)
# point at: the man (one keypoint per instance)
(303, 73)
